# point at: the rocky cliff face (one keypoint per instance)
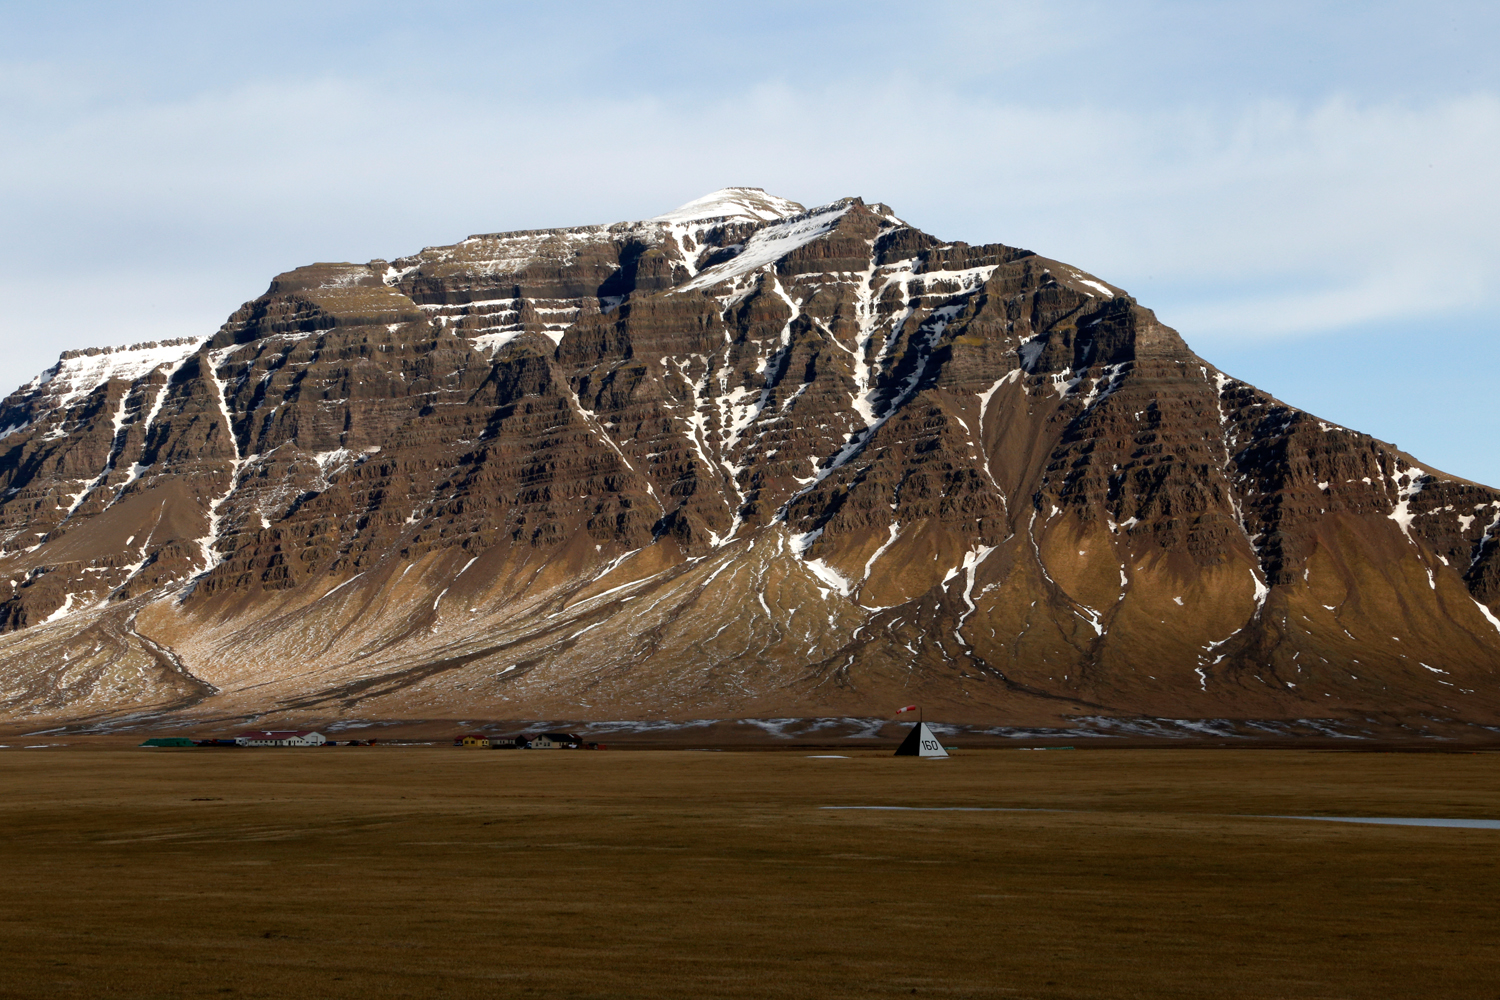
(745, 459)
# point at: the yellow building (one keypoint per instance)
(475, 741)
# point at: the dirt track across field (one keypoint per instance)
(435, 872)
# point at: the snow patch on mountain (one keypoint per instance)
(1402, 514)
(772, 243)
(733, 203)
(77, 374)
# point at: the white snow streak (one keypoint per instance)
(1488, 614)
(770, 244)
(211, 558)
(895, 530)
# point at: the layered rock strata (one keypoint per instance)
(745, 459)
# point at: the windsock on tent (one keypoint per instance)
(908, 708)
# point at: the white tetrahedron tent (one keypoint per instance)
(920, 742)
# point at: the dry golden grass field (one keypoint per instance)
(435, 873)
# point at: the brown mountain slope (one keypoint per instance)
(744, 460)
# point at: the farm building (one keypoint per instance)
(555, 741)
(474, 741)
(281, 738)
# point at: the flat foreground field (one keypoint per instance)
(433, 872)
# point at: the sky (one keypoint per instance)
(1306, 191)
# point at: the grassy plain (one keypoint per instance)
(433, 872)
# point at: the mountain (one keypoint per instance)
(742, 460)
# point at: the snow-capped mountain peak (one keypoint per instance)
(748, 203)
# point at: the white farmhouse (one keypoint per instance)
(281, 738)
